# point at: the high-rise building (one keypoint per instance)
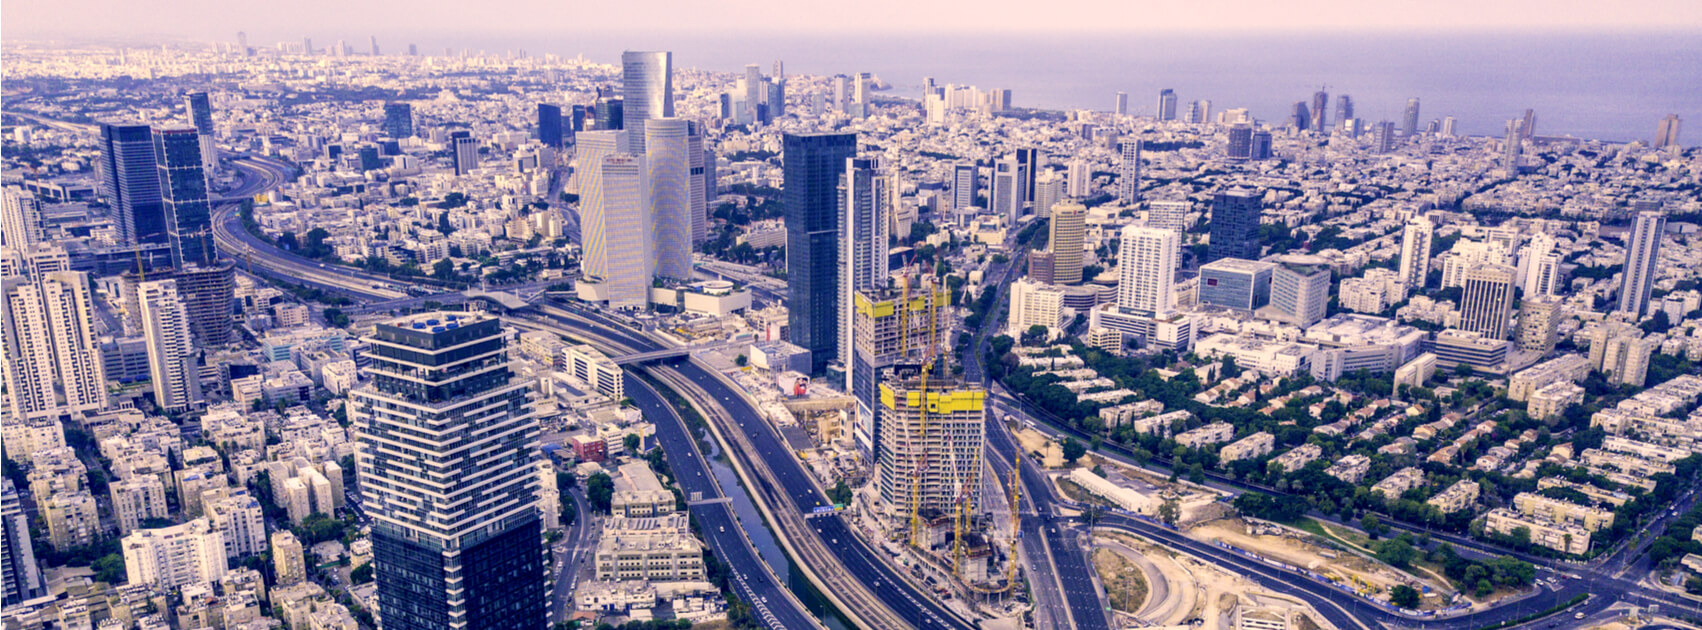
(1300, 294)
(1642, 258)
(1321, 111)
(171, 351)
(200, 109)
(53, 360)
(890, 326)
(1129, 173)
(466, 154)
(592, 147)
(1666, 135)
(22, 574)
(1030, 159)
(372, 42)
(934, 427)
(668, 182)
(1199, 112)
(130, 182)
(1488, 300)
(1235, 225)
(1512, 145)
(963, 181)
(1078, 179)
(1301, 117)
(184, 196)
(1068, 230)
(1147, 270)
(1528, 125)
(647, 82)
(288, 565)
(137, 498)
(1121, 108)
(622, 250)
(1034, 303)
(1410, 123)
(1344, 109)
(1416, 240)
(1385, 136)
(611, 114)
(399, 120)
(1170, 215)
(20, 219)
(1539, 321)
(549, 125)
(1448, 125)
(700, 165)
(1261, 149)
(176, 556)
(812, 167)
(1008, 198)
(1166, 104)
(457, 544)
(1240, 142)
(864, 223)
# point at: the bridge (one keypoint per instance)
(670, 353)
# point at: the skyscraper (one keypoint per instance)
(1029, 159)
(200, 110)
(1667, 134)
(372, 41)
(621, 248)
(647, 82)
(963, 181)
(1121, 108)
(1321, 111)
(171, 351)
(1261, 149)
(1301, 117)
(53, 358)
(754, 92)
(1199, 112)
(130, 182)
(1079, 179)
(668, 184)
(864, 221)
(1416, 240)
(1488, 300)
(183, 187)
(1008, 195)
(466, 154)
(399, 120)
(1068, 226)
(1642, 258)
(1166, 104)
(1539, 320)
(1385, 136)
(1528, 125)
(1410, 129)
(700, 162)
(1129, 173)
(611, 114)
(1147, 270)
(1235, 224)
(1511, 145)
(1448, 124)
(20, 218)
(455, 524)
(22, 575)
(1344, 109)
(549, 125)
(812, 166)
(1240, 142)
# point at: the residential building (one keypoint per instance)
(1350, 468)
(136, 499)
(1398, 483)
(1373, 292)
(53, 362)
(1562, 537)
(1034, 304)
(22, 574)
(1214, 433)
(1565, 368)
(1129, 173)
(171, 349)
(864, 223)
(176, 556)
(1539, 323)
(890, 327)
(1460, 496)
(1642, 258)
(461, 547)
(1251, 447)
(1553, 399)
(1147, 272)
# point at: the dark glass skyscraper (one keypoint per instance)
(183, 187)
(549, 125)
(200, 112)
(1235, 225)
(1030, 160)
(448, 473)
(812, 164)
(399, 120)
(130, 183)
(611, 114)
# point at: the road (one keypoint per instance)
(795, 485)
(569, 553)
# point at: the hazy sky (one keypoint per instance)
(329, 20)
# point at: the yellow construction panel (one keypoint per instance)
(938, 401)
(873, 309)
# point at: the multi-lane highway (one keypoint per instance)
(792, 487)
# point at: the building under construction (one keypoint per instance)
(888, 327)
(931, 441)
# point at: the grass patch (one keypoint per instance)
(1125, 584)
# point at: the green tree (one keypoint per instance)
(600, 492)
(1169, 511)
(631, 442)
(110, 569)
(840, 493)
(362, 574)
(741, 361)
(443, 269)
(1372, 525)
(1395, 552)
(1073, 450)
(1404, 596)
(335, 316)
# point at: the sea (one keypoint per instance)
(1602, 86)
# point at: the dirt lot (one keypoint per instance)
(1369, 575)
(1124, 583)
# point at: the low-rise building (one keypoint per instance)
(1350, 469)
(1562, 537)
(1397, 484)
(1558, 511)
(1297, 457)
(1460, 496)
(1253, 446)
(656, 548)
(591, 369)
(1214, 433)
(1565, 368)
(639, 493)
(1553, 399)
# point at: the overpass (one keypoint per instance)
(671, 353)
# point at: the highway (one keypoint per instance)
(752, 579)
(796, 487)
